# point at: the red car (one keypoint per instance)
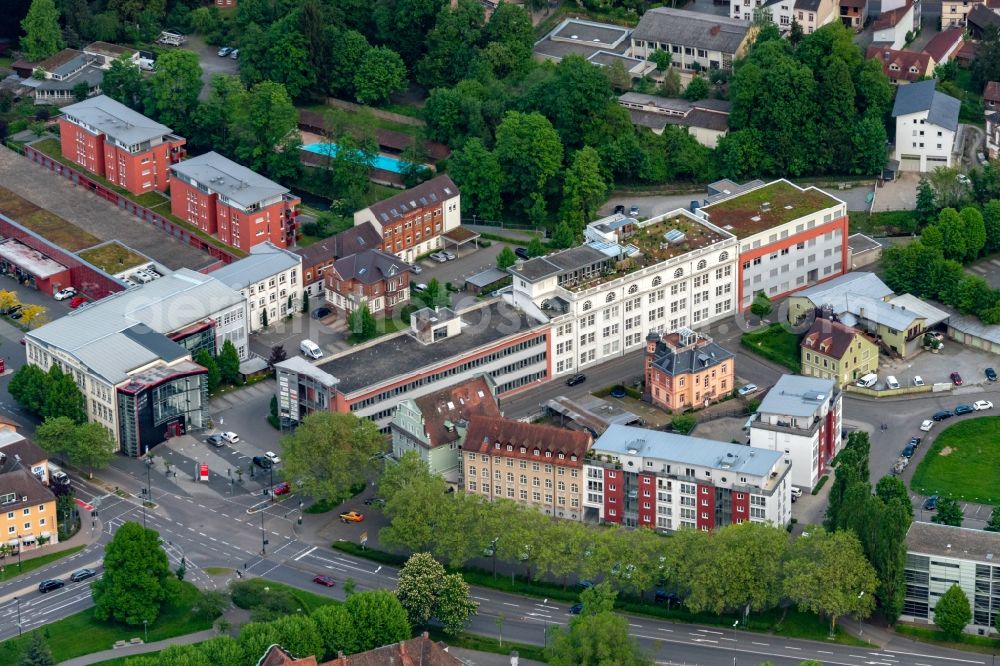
(282, 488)
(77, 301)
(956, 379)
(325, 581)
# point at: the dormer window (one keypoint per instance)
(523, 450)
(510, 448)
(548, 454)
(562, 456)
(496, 445)
(537, 452)
(573, 457)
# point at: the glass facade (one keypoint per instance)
(151, 413)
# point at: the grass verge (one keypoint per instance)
(775, 344)
(487, 644)
(82, 634)
(819, 484)
(250, 594)
(966, 642)
(217, 571)
(892, 222)
(11, 569)
(963, 463)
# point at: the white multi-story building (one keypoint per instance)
(939, 556)
(801, 417)
(649, 478)
(789, 237)
(926, 122)
(628, 278)
(270, 279)
(130, 354)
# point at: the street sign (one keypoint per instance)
(364, 538)
(203, 472)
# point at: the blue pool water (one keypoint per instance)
(384, 162)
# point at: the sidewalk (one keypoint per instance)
(84, 537)
(133, 650)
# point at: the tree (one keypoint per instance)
(354, 157)
(37, 652)
(698, 88)
(207, 361)
(684, 423)
(671, 84)
(974, 232)
(361, 323)
(93, 446)
(55, 435)
(510, 28)
(215, 119)
(583, 189)
(796, 33)
(949, 512)
(535, 247)
(662, 59)
(123, 82)
(591, 639)
(63, 397)
(29, 386)
(478, 174)
(952, 612)
(378, 619)
(434, 296)
(266, 131)
(330, 452)
(229, 364)
(761, 305)
(891, 488)
(506, 258)
(350, 47)
(380, 73)
(411, 493)
(135, 581)
(926, 209)
(451, 44)
(172, 92)
(80, 91)
(991, 220)
(563, 236)
(335, 626)
(278, 354)
(993, 524)
(529, 152)
(42, 36)
(426, 592)
(827, 573)
(868, 140)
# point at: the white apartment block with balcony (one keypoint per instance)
(270, 279)
(628, 278)
(801, 417)
(648, 478)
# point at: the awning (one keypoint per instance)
(46, 535)
(13, 542)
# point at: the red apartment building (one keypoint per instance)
(319, 256)
(411, 223)
(229, 201)
(373, 277)
(113, 141)
(790, 237)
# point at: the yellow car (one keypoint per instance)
(352, 517)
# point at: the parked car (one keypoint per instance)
(449, 255)
(439, 257)
(325, 581)
(908, 451)
(942, 415)
(620, 209)
(796, 492)
(964, 409)
(927, 425)
(585, 584)
(230, 437)
(522, 252)
(49, 585)
(224, 51)
(931, 502)
(418, 287)
(633, 211)
(576, 379)
(215, 440)
(282, 488)
(63, 294)
(918, 380)
(273, 456)
(991, 374)
(375, 501)
(915, 442)
(576, 609)
(16, 312)
(980, 405)
(416, 269)
(82, 574)
(659, 596)
(747, 389)
(956, 378)
(262, 462)
(351, 517)
(235, 54)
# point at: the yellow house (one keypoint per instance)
(834, 351)
(27, 511)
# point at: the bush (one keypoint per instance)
(264, 602)
(684, 423)
(819, 484)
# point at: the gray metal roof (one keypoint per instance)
(629, 440)
(911, 303)
(96, 334)
(487, 277)
(265, 260)
(116, 120)
(299, 365)
(833, 291)
(961, 543)
(942, 110)
(227, 178)
(793, 395)
(694, 29)
(861, 243)
(970, 325)
(563, 261)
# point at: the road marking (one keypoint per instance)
(480, 598)
(669, 631)
(824, 652)
(764, 644)
(789, 647)
(305, 553)
(637, 626)
(934, 656)
(512, 605)
(707, 631)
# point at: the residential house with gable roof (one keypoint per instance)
(945, 45)
(814, 14)
(684, 369)
(373, 277)
(954, 14)
(537, 465)
(319, 256)
(832, 350)
(413, 223)
(435, 425)
(991, 95)
(926, 123)
(854, 13)
(893, 25)
(902, 66)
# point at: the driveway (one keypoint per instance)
(899, 194)
(471, 260)
(210, 62)
(988, 269)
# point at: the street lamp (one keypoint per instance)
(263, 538)
(145, 630)
(545, 619)
(18, 600)
(19, 544)
(734, 628)
(149, 489)
(861, 623)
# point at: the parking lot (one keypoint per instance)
(936, 368)
(210, 62)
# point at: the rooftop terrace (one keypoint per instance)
(766, 207)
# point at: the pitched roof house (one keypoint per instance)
(372, 276)
(685, 369)
(945, 45)
(902, 66)
(834, 351)
(921, 108)
(420, 651)
(713, 42)
(319, 256)
(991, 95)
(892, 26)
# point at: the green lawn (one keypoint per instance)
(775, 344)
(81, 634)
(10, 569)
(966, 642)
(255, 589)
(963, 463)
(885, 222)
(112, 257)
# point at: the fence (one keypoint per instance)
(129, 206)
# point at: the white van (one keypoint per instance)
(868, 381)
(891, 383)
(310, 349)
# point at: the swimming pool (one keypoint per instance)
(384, 162)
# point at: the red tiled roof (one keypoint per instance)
(461, 401)
(904, 60)
(892, 17)
(420, 651)
(992, 91)
(430, 194)
(350, 241)
(537, 440)
(829, 338)
(944, 44)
